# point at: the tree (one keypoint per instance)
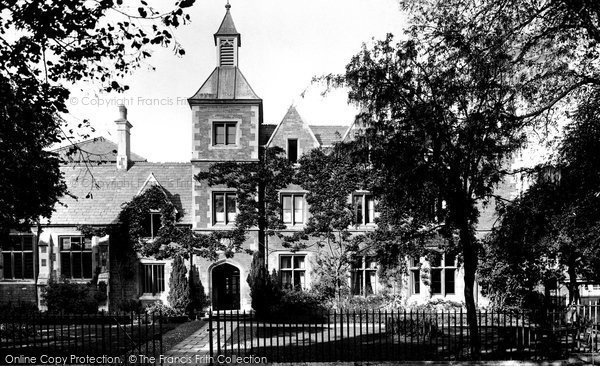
(330, 178)
(440, 124)
(179, 291)
(263, 290)
(45, 47)
(552, 229)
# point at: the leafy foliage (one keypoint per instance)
(257, 185)
(264, 289)
(298, 306)
(158, 308)
(439, 123)
(68, 297)
(172, 239)
(329, 178)
(553, 228)
(179, 292)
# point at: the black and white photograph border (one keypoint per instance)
(386, 182)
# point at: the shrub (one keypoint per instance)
(158, 308)
(69, 297)
(20, 308)
(298, 306)
(199, 300)
(179, 292)
(435, 305)
(264, 290)
(360, 303)
(101, 293)
(130, 306)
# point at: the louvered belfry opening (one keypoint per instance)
(227, 57)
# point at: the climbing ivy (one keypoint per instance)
(257, 185)
(172, 239)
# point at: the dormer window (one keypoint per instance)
(152, 224)
(292, 150)
(226, 53)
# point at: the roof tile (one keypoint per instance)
(110, 188)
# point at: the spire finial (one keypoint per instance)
(227, 6)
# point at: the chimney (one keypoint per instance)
(124, 150)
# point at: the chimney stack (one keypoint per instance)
(123, 128)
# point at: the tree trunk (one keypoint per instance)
(573, 286)
(468, 243)
(470, 267)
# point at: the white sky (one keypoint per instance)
(284, 44)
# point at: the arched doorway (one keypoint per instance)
(225, 287)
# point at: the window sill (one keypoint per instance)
(364, 226)
(224, 147)
(150, 296)
(224, 226)
(294, 226)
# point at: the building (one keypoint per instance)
(227, 125)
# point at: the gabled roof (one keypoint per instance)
(292, 116)
(110, 188)
(329, 135)
(98, 149)
(225, 83)
(324, 136)
(227, 28)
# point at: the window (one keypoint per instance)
(224, 133)
(153, 278)
(226, 53)
(292, 271)
(17, 257)
(224, 209)
(292, 207)
(151, 224)
(75, 257)
(364, 208)
(292, 150)
(415, 275)
(363, 276)
(443, 273)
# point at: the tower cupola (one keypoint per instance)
(227, 40)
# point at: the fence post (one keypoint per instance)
(210, 338)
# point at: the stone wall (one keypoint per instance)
(247, 117)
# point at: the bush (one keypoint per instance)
(158, 308)
(21, 309)
(199, 300)
(179, 292)
(69, 297)
(130, 306)
(298, 306)
(435, 305)
(264, 289)
(359, 303)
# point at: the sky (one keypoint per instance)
(284, 45)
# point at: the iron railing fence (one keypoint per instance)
(108, 338)
(402, 335)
